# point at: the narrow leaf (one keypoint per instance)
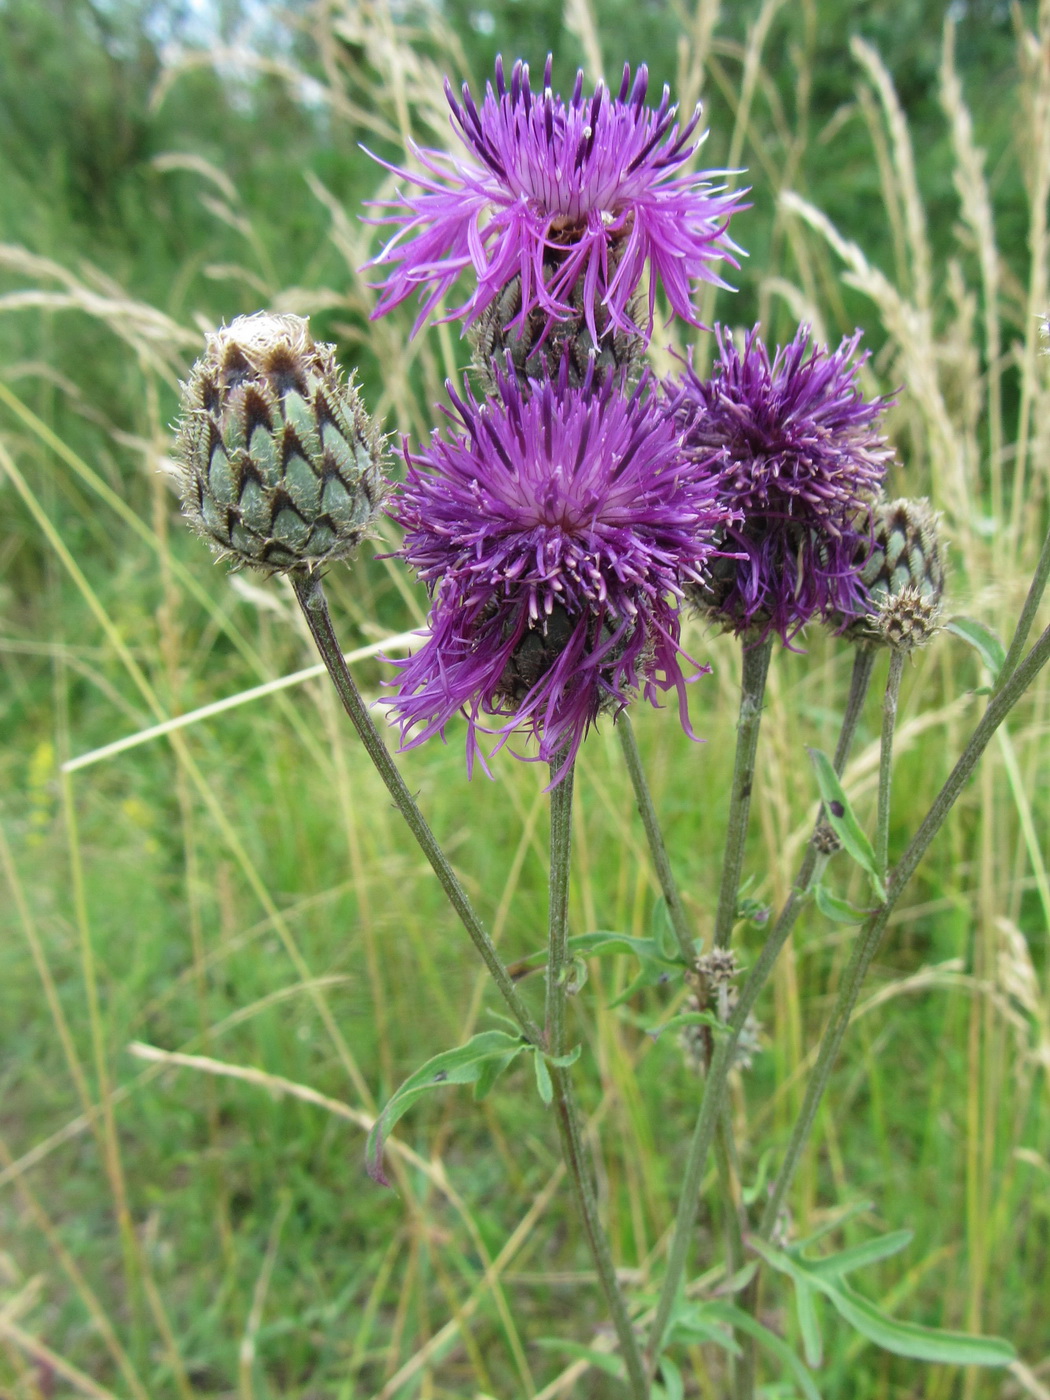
(835, 1266)
(808, 1325)
(736, 1317)
(982, 639)
(543, 1078)
(464, 1065)
(841, 911)
(671, 1376)
(840, 816)
(911, 1340)
(604, 1360)
(491, 1071)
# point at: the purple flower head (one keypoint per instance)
(555, 528)
(804, 461)
(559, 194)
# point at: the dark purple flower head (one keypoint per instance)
(555, 528)
(559, 193)
(804, 462)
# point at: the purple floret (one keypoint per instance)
(804, 462)
(555, 529)
(557, 194)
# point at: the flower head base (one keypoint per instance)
(277, 461)
(804, 460)
(555, 528)
(559, 194)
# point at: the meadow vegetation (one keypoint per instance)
(235, 888)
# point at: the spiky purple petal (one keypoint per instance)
(555, 528)
(558, 193)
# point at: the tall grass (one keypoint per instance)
(222, 953)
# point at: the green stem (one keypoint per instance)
(721, 1061)
(309, 592)
(889, 723)
(1028, 612)
(871, 935)
(558, 971)
(752, 692)
(647, 811)
(725, 1146)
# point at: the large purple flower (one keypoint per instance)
(804, 462)
(555, 528)
(559, 194)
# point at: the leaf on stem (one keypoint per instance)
(467, 1064)
(827, 1276)
(840, 911)
(982, 639)
(840, 817)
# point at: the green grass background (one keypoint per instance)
(241, 890)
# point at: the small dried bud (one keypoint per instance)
(907, 619)
(717, 967)
(903, 576)
(825, 840)
(278, 463)
(537, 345)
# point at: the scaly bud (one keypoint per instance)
(903, 577)
(278, 463)
(537, 345)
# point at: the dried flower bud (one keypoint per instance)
(825, 840)
(278, 463)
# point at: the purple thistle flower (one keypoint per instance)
(559, 194)
(554, 528)
(804, 461)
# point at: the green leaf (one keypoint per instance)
(491, 1071)
(982, 639)
(688, 1018)
(809, 1325)
(736, 1317)
(692, 1324)
(464, 1065)
(602, 941)
(836, 1266)
(840, 817)
(841, 911)
(834, 1222)
(752, 1193)
(663, 930)
(543, 1079)
(902, 1338)
(909, 1339)
(673, 1386)
(564, 1061)
(604, 1360)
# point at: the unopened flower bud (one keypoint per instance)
(278, 463)
(825, 840)
(903, 577)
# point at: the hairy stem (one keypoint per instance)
(558, 971)
(752, 693)
(725, 1147)
(889, 723)
(871, 935)
(309, 592)
(1024, 623)
(721, 1061)
(647, 811)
